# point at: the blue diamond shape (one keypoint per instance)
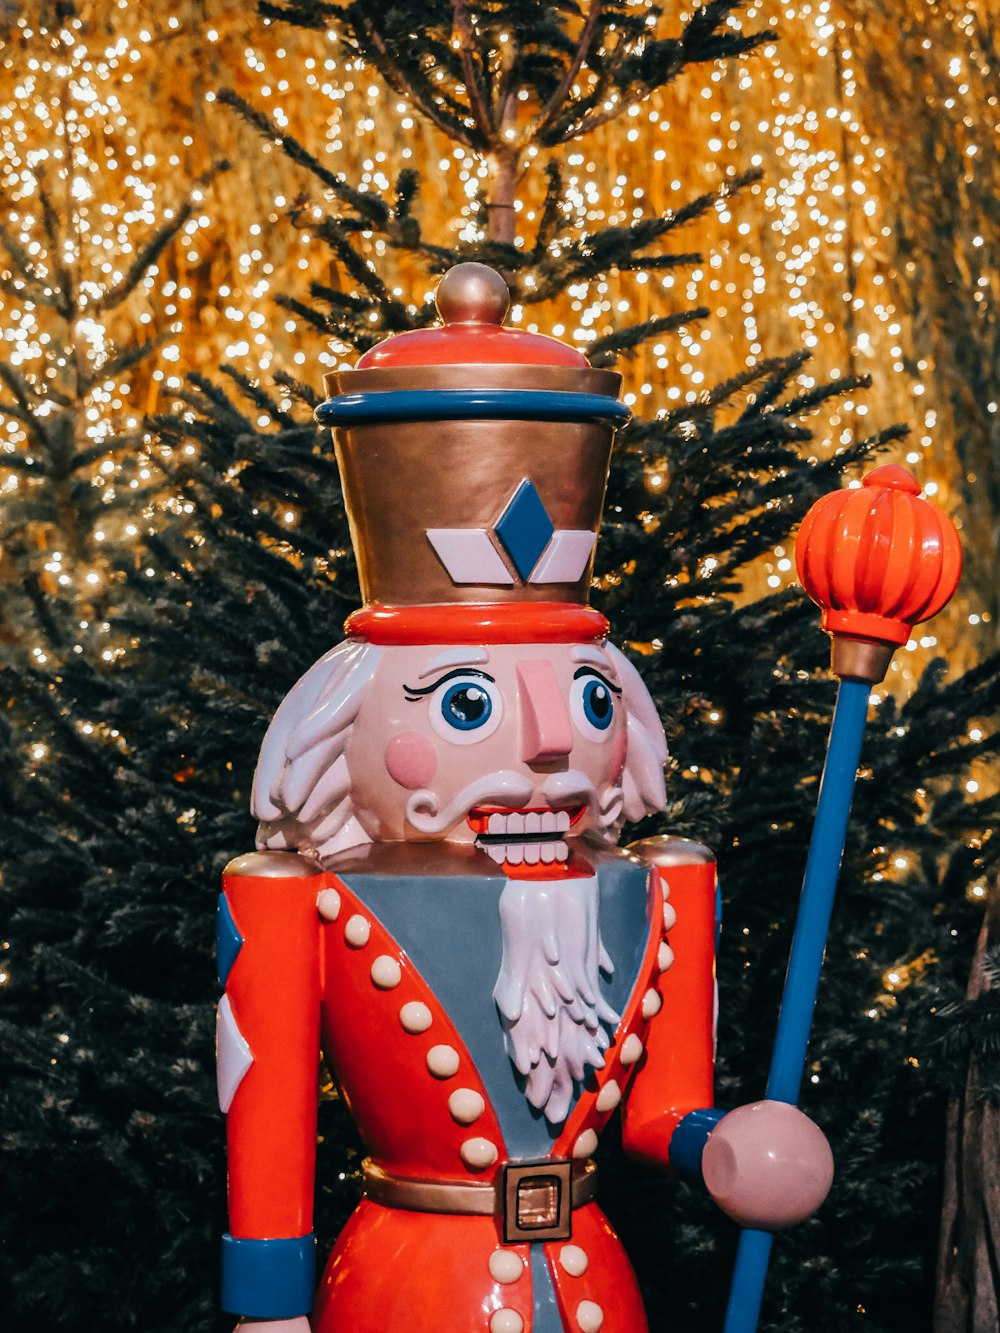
(525, 528)
(228, 940)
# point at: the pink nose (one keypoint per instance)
(546, 731)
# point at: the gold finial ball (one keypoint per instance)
(472, 294)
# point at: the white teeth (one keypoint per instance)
(562, 820)
(514, 853)
(532, 822)
(515, 823)
(549, 821)
(497, 824)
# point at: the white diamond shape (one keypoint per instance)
(469, 556)
(565, 558)
(233, 1054)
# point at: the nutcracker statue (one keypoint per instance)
(438, 903)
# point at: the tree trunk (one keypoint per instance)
(968, 1278)
(500, 225)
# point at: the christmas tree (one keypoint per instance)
(137, 767)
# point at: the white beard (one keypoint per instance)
(548, 991)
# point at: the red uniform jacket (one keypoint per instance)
(388, 959)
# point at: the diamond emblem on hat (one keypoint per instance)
(469, 556)
(525, 528)
(565, 558)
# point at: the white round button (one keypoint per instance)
(506, 1266)
(478, 1153)
(609, 1096)
(358, 931)
(328, 904)
(669, 916)
(585, 1144)
(651, 1004)
(466, 1105)
(664, 957)
(573, 1260)
(506, 1321)
(589, 1316)
(415, 1017)
(386, 972)
(631, 1049)
(442, 1061)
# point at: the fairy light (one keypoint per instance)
(808, 251)
(803, 258)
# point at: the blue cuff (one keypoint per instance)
(688, 1142)
(268, 1279)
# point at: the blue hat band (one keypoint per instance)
(355, 409)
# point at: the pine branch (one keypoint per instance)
(26, 402)
(776, 379)
(148, 254)
(309, 316)
(63, 289)
(305, 393)
(38, 289)
(550, 213)
(314, 15)
(116, 365)
(477, 98)
(584, 50)
(604, 351)
(367, 205)
(410, 84)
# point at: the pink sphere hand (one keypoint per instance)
(767, 1165)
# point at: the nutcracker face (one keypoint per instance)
(513, 747)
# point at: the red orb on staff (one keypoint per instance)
(878, 559)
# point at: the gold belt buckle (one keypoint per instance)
(538, 1200)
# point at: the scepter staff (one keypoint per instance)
(878, 559)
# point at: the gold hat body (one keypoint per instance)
(403, 478)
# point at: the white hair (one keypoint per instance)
(301, 790)
(646, 753)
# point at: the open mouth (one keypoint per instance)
(529, 836)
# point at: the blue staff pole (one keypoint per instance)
(826, 850)
(877, 560)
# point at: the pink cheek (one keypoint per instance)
(410, 760)
(618, 748)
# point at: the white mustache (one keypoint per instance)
(512, 790)
(424, 812)
(574, 787)
(569, 788)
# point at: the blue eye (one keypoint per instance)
(592, 705)
(466, 706)
(598, 704)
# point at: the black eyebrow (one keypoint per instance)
(593, 671)
(415, 691)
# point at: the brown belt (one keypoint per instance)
(532, 1200)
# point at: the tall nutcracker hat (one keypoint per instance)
(474, 461)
